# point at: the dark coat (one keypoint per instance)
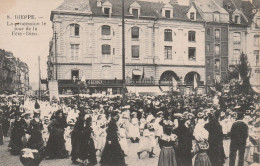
(17, 133)
(56, 144)
(183, 152)
(113, 154)
(34, 129)
(216, 149)
(239, 134)
(77, 138)
(87, 148)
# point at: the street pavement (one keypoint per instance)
(132, 159)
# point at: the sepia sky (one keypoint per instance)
(28, 48)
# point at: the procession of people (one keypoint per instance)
(189, 130)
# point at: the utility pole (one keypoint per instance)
(123, 51)
(56, 60)
(39, 64)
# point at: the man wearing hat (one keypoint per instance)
(238, 136)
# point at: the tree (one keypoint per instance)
(244, 72)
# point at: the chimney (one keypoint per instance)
(99, 3)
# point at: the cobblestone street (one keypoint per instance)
(132, 159)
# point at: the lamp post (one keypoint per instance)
(79, 83)
(123, 51)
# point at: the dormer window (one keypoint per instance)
(135, 13)
(106, 11)
(107, 8)
(167, 13)
(135, 9)
(237, 19)
(192, 16)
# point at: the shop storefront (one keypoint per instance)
(106, 87)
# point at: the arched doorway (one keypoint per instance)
(168, 75)
(189, 78)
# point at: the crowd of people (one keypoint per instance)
(183, 127)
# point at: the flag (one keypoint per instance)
(240, 81)
(143, 73)
(174, 84)
(195, 83)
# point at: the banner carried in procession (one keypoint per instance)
(53, 90)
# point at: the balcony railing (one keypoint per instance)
(140, 82)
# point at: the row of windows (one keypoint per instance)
(135, 49)
(217, 33)
(106, 30)
(168, 35)
(216, 63)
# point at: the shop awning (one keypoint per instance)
(137, 72)
(144, 90)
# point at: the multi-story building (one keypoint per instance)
(252, 11)
(24, 77)
(237, 31)
(14, 74)
(216, 39)
(163, 43)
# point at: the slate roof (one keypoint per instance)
(247, 8)
(74, 5)
(235, 5)
(148, 9)
(209, 6)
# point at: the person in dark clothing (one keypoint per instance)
(185, 135)
(77, 138)
(6, 120)
(18, 131)
(87, 148)
(216, 149)
(34, 130)
(1, 127)
(36, 105)
(113, 154)
(56, 144)
(35, 142)
(238, 137)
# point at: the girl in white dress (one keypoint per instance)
(122, 136)
(134, 128)
(100, 136)
(145, 142)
